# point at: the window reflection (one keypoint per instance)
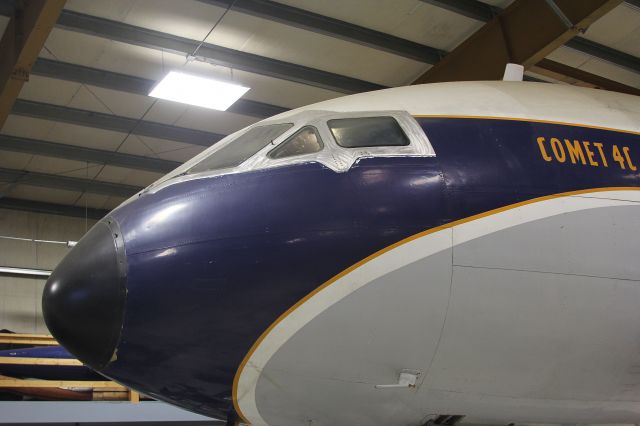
(241, 149)
(367, 132)
(305, 141)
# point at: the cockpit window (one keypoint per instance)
(241, 149)
(305, 141)
(367, 132)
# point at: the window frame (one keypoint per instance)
(331, 129)
(281, 145)
(341, 159)
(419, 144)
(232, 139)
(332, 156)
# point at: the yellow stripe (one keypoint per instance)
(532, 120)
(9, 382)
(391, 247)
(29, 339)
(14, 360)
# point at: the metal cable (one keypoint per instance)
(34, 240)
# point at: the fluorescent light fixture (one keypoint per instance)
(201, 91)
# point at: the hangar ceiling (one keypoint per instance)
(83, 135)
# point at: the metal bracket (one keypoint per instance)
(556, 9)
(407, 379)
(20, 74)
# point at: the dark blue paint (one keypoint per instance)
(48, 372)
(493, 163)
(234, 252)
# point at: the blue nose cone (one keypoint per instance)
(83, 299)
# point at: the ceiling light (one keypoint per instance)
(201, 91)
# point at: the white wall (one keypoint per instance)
(20, 307)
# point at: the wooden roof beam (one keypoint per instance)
(524, 33)
(20, 45)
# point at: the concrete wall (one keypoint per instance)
(20, 308)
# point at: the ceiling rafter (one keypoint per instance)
(115, 123)
(92, 76)
(332, 27)
(136, 85)
(480, 11)
(81, 153)
(524, 33)
(8, 8)
(307, 20)
(605, 53)
(114, 81)
(301, 19)
(21, 204)
(310, 21)
(212, 53)
(46, 180)
(473, 9)
(578, 77)
(20, 45)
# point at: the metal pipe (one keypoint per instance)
(9, 270)
(33, 240)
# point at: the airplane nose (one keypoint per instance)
(83, 299)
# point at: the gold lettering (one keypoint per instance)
(558, 150)
(628, 157)
(602, 157)
(542, 150)
(590, 153)
(618, 157)
(575, 151)
(581, 152)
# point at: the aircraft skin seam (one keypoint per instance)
(446, 314)
(495, 268)
(434, 230)
(409, 239)
(532, 399)
(607, 198)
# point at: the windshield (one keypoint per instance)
(240, 149)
